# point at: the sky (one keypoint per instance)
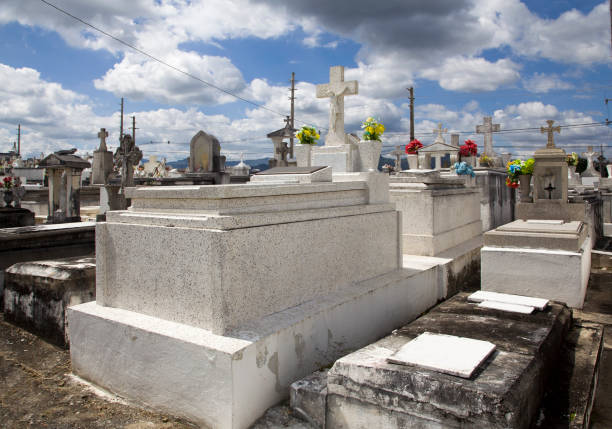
(520, 62)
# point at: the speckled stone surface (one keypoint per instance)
(216, 271)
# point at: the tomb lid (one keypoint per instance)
(550, 235)
(290, 170)
(439, 147)
(543, 226)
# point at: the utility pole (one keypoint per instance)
(411, 90)
(134, 129)
(292, 98)
(19, 140)
(121, 126)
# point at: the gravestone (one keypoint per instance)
(204, 154)
(339, 151)
(590, 170)
(488, 128)
(102, 161)
(550, 170)
(398, 152)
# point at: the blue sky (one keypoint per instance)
(520, 62)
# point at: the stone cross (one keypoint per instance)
(550, 130)
(282, 150)
(103, 134)
(440, 130)
(398, 152)
(590, 170)
(127, 156)
(335, 90)
(487, 128)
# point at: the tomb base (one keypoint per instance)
(11, 217)
(365, 390)
(542, 259)
(228, 381)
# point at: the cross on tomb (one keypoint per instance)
(440, 130)
(282, 150)
(127, 156)
(550, 130)
(336, 89)
(103, 134)
(549, 189)
(487, 128)
(398, 152)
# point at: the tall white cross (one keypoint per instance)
(336, 89)
(550, 130)
(440, 130)
(103, 134)
(487, 128)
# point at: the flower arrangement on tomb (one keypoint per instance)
(517, 168)
(372, 129)
(463, 168)
(307, 135)
(572, 159)
(413, 147)
(485, 161)
(7, 182)
(468, 149)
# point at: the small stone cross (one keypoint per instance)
(127, 156)
(550, 130)
(103, 134)
(549, 189)
(398, 152)
(336, 89)
(487, 128)
(282, 151)
(440, 130)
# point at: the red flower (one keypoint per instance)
(511, 184)
(413, 146)
(469, 148)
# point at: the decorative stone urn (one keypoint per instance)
(369, 154)
(413, 161)
(525, 188)
(302, 154)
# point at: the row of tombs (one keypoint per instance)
(214, 302)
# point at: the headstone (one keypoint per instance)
(488, 128)
(127, 156)
(590, 170)
(550, 170)
(204, 154)
(336, 90)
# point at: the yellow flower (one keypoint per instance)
(307, 131)
(380, 128)
(317, 136)
(370, 119)
(370, 130)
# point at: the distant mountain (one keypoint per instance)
(261, 163)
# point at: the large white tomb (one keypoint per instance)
(548, 259)
(211, 300)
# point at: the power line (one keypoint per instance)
(160, 60)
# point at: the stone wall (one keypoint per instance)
(496, 199)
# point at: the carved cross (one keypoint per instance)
(335, 90)
(549, 189)
(398, 152)
(103, 134)
(440, 130)
(487, 128)
(550, 130)
(127, 156)
(282, 150)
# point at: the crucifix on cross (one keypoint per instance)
(550, 130)
(103, 134)
(440, 130)
(487, 128)
(335, 90)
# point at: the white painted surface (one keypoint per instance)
(483, 295)
(229, 381)
(448, 354)
(504, 306)
(550, 274)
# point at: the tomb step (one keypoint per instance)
(569, 401)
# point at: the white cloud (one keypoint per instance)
(143, 79)
(473, 74)
(542, 83)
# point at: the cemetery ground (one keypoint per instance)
(38, 390)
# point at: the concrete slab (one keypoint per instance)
(483, 295)
(503, 306)
(444, 353)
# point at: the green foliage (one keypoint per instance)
(581, 165)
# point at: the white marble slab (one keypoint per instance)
(482, 295)
(504, 306)
(448, 354)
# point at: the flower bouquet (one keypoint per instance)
(372, 130)
(413, 147)
(308, 135)
(517, 168)
(468, 149)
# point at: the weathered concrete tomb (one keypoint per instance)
(365, 390)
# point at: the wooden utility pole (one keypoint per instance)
(19, 140)
(134, 129)
(121, 125)
(292, 98)
(411, 90)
